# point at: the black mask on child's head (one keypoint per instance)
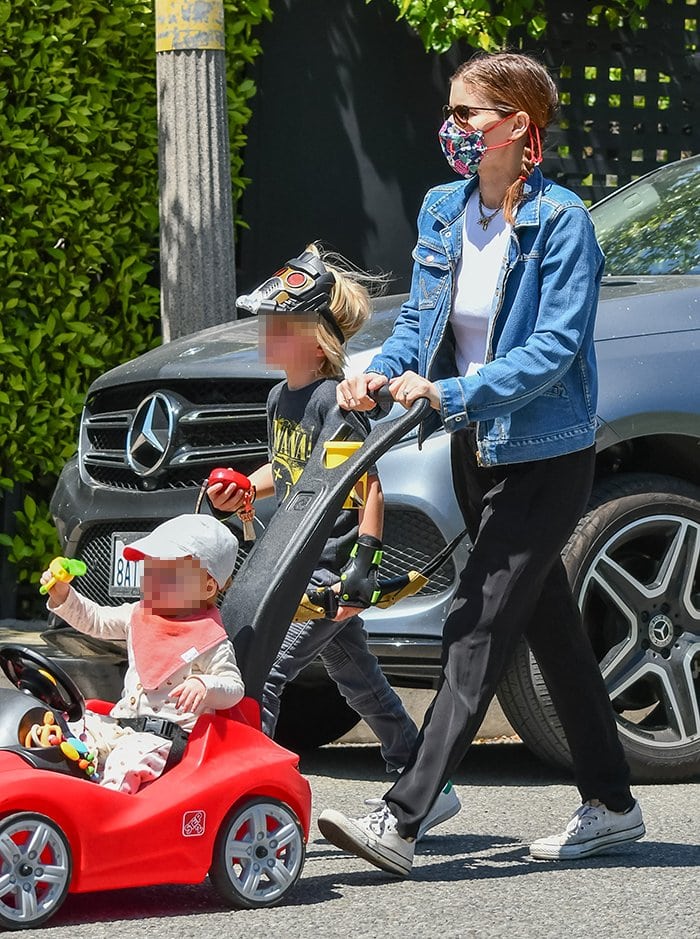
(303, 285)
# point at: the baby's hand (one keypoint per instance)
(58, 592)
(190, 695)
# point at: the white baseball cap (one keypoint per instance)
(197, 536)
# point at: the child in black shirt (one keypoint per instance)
(309, 309)
(301, 414)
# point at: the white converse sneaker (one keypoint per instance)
(373, 837)
(591, 829)
(445, 806)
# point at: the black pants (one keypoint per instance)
(519, 518)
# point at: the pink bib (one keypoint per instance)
(163, 644)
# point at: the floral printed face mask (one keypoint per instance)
(464, 149)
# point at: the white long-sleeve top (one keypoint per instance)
(216, 668)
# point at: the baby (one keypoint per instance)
(180, 661)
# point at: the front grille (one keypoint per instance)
(411, 539)
(214, 423)
(96, 551)
(178, 478)
(219, 391)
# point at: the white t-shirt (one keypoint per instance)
(477, 276)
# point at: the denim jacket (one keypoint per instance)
(535, 396)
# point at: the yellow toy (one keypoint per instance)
(46, 734)
(50, 734)
(63, 569)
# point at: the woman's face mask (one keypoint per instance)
(464, 148)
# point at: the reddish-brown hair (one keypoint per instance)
(514, 82)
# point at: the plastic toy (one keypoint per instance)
(235, 807)
(337, 452)
(227, 476)
(63, 569)
(51, 734)
(46, 734)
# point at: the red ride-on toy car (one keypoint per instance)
(235, 807)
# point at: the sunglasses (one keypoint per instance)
(461, 113)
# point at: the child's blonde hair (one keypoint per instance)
(351, 306)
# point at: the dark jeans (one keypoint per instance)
(519, 518)
(343, 649)
(348, 660)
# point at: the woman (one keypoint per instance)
(498, 334)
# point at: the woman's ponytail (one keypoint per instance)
(532, 157)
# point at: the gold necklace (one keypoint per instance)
(484, 219)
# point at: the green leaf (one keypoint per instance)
(29, 508)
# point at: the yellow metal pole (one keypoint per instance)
(189, 24)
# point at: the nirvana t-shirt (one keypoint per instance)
(297, 420)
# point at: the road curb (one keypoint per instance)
(417, 700)
(23, 631)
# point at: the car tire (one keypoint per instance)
(26, 899)
(313, 713)
(633, 566)
(258, 855)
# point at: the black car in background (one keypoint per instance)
(634, 559)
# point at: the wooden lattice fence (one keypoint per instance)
(629, 98)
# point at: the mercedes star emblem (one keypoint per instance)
(151, 433)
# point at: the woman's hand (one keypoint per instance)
(353, 394)
(190, 695)
(226, 498)
(408, 387)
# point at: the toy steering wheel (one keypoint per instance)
(34, 673)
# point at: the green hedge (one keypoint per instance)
(79, 222)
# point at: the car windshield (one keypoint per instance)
(653, 226)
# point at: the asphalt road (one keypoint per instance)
(473, 878)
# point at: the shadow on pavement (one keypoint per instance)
(140, 903)
(475, 859)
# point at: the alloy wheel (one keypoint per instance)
(35, 870)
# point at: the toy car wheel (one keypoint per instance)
(35, 869)
(259, 854)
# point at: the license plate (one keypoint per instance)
(124, 576)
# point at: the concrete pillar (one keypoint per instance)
(197, 251)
